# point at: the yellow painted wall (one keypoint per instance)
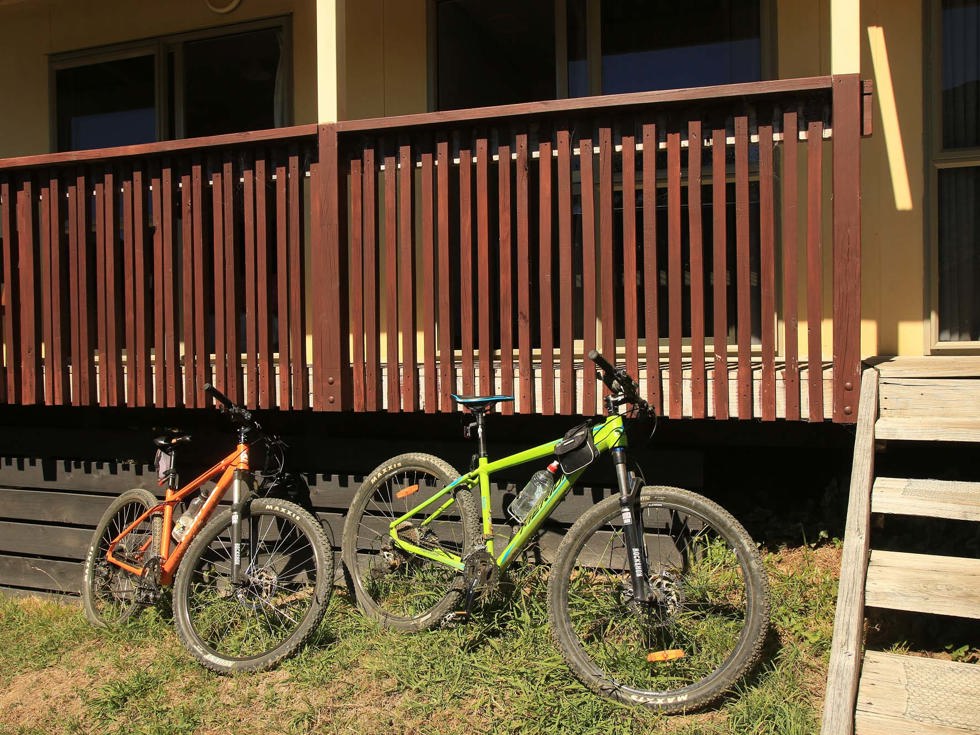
(892, 161)
(31, 30)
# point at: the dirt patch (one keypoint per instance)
(38, 699)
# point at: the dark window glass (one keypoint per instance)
(233, 84)
(671, 45)
(106, 104)
(961, 73)
(493, 52)
(959, 257)
(578, 61)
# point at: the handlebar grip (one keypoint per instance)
(218, 396)
(601, 362)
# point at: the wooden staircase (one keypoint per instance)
(878, 693)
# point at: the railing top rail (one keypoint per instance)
(604, 102)
(162, 147)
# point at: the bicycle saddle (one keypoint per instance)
(478, 404)
(170, 439)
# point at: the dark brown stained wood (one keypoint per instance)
(31, 538)
(566, 345)
(372, 327)
(171, 336)
(297, 292)
(607, 281)
(651, 285)
(481, 282)
(55, 362)
(114, 317)
(406, 280)
(767, 274)
(719, 238)
(814, 259)
(129, 291)
(447, 364)
(8, 291)
(267, 365)
(46, 301)
(847, 98)
(521, 205)
(201, 360)
(218, 276)
(430, 278)
(789, 248)
(159, 329)
(675, 273)
(505, 287)
(545, 299)
(82, 305)
(142, 314)
(187, 290)
(466, 267)
(100, 291)
(743, 284)
(630, 273)
(329, 194)
(27, 266)
(233, 356)
(250, 336)
(23, 572)
(390, 288)
(699, 402)
(588, 274)
(357, 278)
(282, 284)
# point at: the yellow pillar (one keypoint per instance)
(845, 36)
(329, 59)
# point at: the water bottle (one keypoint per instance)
(188, 517)
(539, 487)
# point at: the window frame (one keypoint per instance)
(159, 47)
(939, 159)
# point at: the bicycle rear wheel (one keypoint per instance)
(706, 627)
(110, 594)
(401, 590)
(286, 582)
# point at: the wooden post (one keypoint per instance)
(331, 382)
(847, 102)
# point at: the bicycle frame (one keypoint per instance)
(234, 470)
(608, 435)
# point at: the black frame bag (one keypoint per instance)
(576, 450)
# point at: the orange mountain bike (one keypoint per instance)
(250, 582)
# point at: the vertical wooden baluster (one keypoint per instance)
(357, 278)
(719, 237)
(297, 290)
(674, 273)
(566, 337)
(142, 309)
(45, 289)
(790, 249)
(114, 316)
(447, 363)
(607, 274)
(699, 408)
(429, 280)
(589, 262)
(483, 294)
(406, 279)
(814, 258)
(282, 284)
(466, 267)
(11, 343)
(391, 276)
(27, 266)
(506, 287)
(191, 397)
(56, 359)
(651, 272)
(527, 402)
(129, 290)
(263, 276)
(100, 292)
(202, 356)
(372, 326)
(743, 283)
(250, 337)
(546, 294)
(233, 355)
(767, 275)
(171, 334)
(630, 302)
(159, 328)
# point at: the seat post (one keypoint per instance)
(480, 438)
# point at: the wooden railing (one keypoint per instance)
(473, 251)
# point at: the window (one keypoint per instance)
(191, 85)
(490, 53)
(956, 160)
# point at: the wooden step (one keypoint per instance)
(928, 429)
(931, 498)
(940, 585)
(902, 695)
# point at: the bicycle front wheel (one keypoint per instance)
(110, 595)
(703, 630)
(399, 589)
(286, 578)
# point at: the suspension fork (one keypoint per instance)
(241, 491)
(629, 491)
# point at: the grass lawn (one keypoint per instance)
(59, 675)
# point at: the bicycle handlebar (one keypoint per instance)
(218, 396)
(618, 380)
(238, 414)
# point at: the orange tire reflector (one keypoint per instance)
(670, 655)
(407, 491)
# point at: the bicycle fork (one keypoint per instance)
(241, 491)
(632, 528)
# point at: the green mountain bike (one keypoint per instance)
(656, 596)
